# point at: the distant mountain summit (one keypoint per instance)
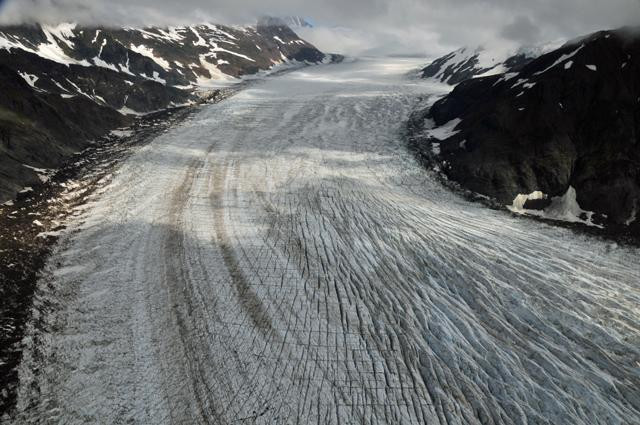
(557, 137)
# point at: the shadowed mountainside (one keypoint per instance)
(562, 132)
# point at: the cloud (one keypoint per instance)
(522, 30)
(354, 42)
(356, 26)
(348, 41)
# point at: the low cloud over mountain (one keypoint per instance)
(420, 26)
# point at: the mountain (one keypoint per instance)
(63, 86)
(178, 57)
(467, 63)
(558, 139)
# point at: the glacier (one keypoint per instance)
(281, 257)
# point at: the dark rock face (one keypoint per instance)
(570, 118)
(66, 85)
(41, 129)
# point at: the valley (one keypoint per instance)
(281, 257)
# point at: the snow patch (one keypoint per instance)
(562, 208)
(63, 32)
(156, 77)
(122, 133)
(128, 111)
(96, 37)
(216, 48)
(80, 91)
(520, 200)
(172, 33)
(215, 74)
(633, 217)
(43, 174)
(52, 50)
(444, 131)
(218, 30)
(592, 67)
(102, 64)
(526, 85)
(54, 234)
(561, 59)
(200, 41)
(566, 208)
(29, 78)
(145, 51)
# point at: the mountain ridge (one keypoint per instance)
(102, 78)
(473, 62)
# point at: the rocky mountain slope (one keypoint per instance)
(64, 86)
(466, 63)
(559, 139)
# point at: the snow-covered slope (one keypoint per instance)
(466, 63)
(180, 57)
(63, 85)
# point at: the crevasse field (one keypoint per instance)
(281, 258)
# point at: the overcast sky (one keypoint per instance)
(425, 27)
